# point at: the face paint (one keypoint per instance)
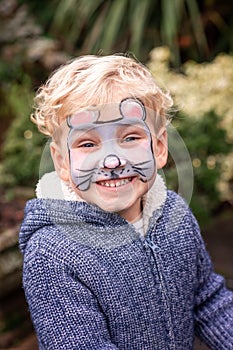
(113, 142)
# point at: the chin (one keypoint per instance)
(112, 206)
(124, 200)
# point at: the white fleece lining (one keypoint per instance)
(50, 186)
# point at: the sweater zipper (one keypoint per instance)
(156, 250)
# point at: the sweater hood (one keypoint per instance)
(57, 206)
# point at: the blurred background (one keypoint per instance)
(187, 44)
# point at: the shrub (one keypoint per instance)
(205, 141)
(23, 143)
(203, 94)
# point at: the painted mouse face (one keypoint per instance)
(110, 143)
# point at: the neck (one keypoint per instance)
(134, 213)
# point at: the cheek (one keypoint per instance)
(77, 159)
(135, 155)
(81, 171)
(82, 161)
(145, 151)
(146, 145)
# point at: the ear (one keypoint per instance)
(161, 149)
(61, 162)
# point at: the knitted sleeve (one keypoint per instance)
(213, 302)
(65, 313)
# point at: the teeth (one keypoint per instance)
(114, 183)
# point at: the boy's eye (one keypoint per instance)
(130, 138)
(87, 144)
(84, 144)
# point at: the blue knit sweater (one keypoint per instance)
(92, 283)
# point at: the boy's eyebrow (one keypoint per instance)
(86, 127)
(134, 126)
(122, 123)
(79, 134)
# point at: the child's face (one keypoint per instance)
(112, 155)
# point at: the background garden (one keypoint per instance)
(187, 44)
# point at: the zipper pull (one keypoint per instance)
(154, 247)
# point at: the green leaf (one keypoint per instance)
(138, 18)
(197, 26)
(112, 24)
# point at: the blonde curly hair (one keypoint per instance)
(96, 80)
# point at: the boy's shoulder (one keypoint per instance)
(176, 215)
(175, 201)
(42, 230)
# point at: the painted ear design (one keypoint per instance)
(132, 108)
(82, 117)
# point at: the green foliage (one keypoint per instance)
(201, 91)
(205, 140)
(137, 26)
(23, 143)
(127, 25)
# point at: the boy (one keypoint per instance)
(112, 260)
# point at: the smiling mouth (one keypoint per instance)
(115, 183)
